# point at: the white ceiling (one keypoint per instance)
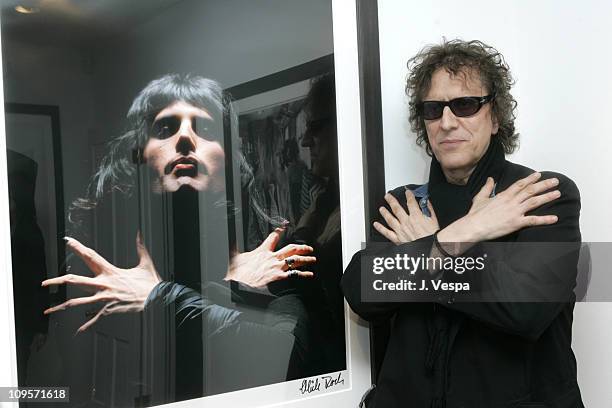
(73, 22)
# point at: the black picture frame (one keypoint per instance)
(373, 148)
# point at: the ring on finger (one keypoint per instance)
(289, 262)
(292, 273)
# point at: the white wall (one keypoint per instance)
(559, 54)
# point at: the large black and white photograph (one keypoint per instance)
(192, 232)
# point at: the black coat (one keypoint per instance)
(486, 354)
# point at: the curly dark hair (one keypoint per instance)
(462, 57)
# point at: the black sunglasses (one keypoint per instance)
(461, 107)
(168, 126)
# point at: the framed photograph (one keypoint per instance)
(138, 168)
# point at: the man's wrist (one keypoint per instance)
(460, 233)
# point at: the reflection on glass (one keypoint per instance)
(28, 257)
(203, 244)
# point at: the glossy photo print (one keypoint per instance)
(175, 223)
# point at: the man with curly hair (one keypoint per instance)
(513, 348)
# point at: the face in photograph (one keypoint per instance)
(182, 151)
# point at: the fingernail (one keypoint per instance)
(554, 181)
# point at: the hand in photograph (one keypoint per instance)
(121, 290)
(263, 265)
